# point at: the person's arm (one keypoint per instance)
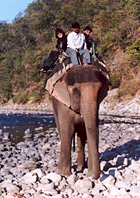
(90, 50)
(90, 44)
(57, 45)
(84, 42)
(64, 45)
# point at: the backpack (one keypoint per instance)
(51, 60)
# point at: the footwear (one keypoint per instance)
(85, 64)
(43, 71)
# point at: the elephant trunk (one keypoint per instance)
(89, 110)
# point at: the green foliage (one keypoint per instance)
(20, 98)
(26, 42)
(134, 49)
(37, 93)
(115, 81)
(129, 89)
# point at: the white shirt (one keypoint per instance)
(76, 41)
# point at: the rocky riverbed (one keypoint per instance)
(28, 168)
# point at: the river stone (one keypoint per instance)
(58, 196)
(115, 191)
(6, 136)
(54, 177)
(124, 195)
(46, 146)
(38, 129)
(45, 187)
(1, 189)
(99, 187)
(10, 176)
(69, 191)
(39, 172)
(87, 195)
(27, 131)
(45, 180)
(30, 191)
(83, 184)
(123, 184)
(120, 160)
(115, 173)
(51, 192)
(29, 178)
(27, 165)
(31, 152)
(8, 166)
(135, 191)
(1, 147)
(26, 136)
(72, 179)
(107, 166)
(102, 164)
(107, 180)
(85, 171)
(135, 167)
(14, 171)
(10, 188)
(63, 185)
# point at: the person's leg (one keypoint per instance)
(73, 54)
(86, 56)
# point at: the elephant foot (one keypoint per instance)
(63, 171)
(81, 166)
(85, 64)
(93, 175)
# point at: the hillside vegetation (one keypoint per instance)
(26, 42)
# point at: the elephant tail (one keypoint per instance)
(73, 143)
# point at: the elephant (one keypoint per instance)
(75, 107)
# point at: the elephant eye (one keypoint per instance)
(76, 93)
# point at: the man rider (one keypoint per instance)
(76, 44)
(89, 40)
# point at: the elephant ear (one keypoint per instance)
(61, 93)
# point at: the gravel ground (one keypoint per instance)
(28, 168)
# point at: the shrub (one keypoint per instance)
(128, 90)
(20, 98)
(37, 93)
(115, 81)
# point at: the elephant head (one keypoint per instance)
(81, 90)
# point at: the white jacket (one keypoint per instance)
(76, 41)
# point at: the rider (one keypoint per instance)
(60, 47)
(76, 44)
(89, 40)
(61, 39)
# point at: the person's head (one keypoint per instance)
(76, 27)
(87, 30)
(59, 33)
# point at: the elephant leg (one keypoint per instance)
(81, 140)
(90, 164)
(66, 131)
(55, 111)
(64, 164)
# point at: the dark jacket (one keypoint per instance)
(89, 41)
(62, 43)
